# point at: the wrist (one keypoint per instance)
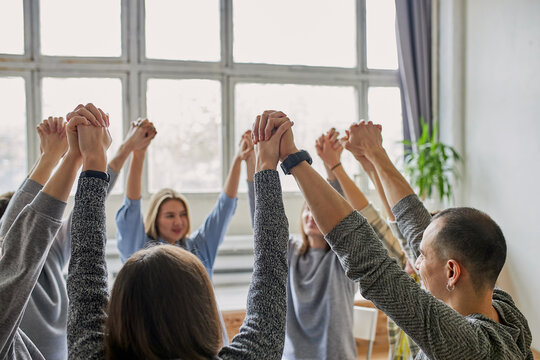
(376, 155)
(95, 161)
(265, 165)
(292, 150)
(139, 153)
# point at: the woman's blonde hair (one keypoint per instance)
(162, 306)
(150, 221)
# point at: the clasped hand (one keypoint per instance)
(88, 136)
(273, 139)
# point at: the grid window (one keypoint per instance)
(13, 136)
(80, 28)
(61, 95)
(283, 32)
(12, 23)
(381, 34)
(384, 104)
(314, 110)
(186, 154)
(182, 30)
(201, 71)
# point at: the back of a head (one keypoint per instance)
(4, 202)
(162, 306)
(471, 237)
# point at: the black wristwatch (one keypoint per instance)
(295, 159)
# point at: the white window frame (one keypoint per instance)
(134, 69)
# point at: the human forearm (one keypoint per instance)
(134, 182)
(374, 177)
(327, 206)
(394, 185)
(233, 179)
(43, 168)
(250, 168)
(60, 184)
(119, 159)
(353, 194)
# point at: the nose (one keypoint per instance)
(417, 263)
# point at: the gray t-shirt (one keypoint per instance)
(320, 301)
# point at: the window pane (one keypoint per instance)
(381, 34)
(12, 23)
(302, 32)
(314, 109)
(78, 28)
(186, 153)
(62, 95)
(13, 138)
(183, 30)
(384, 107)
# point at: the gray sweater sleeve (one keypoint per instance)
(412, 219)
(440, 331)
(87, 277)
(262, 334)
(26, 238)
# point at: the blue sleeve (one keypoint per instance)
(251, 199)
(210, 235)
(130, 235)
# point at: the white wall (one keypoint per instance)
(501, 131)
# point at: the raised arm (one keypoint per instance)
(245, 149)
(209, 236)
(365, 140)
(329, 150)
(426, 319)
(53, 145)
(87, 278)
(250, 171)
(129, 219)
(262, 333)
(27, 242)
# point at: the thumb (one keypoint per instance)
(76, 121)
(282, 128)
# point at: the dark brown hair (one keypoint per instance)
(470, 236)
(162, 306)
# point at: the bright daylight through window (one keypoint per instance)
(201, 71)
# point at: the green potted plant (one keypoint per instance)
(429, 164)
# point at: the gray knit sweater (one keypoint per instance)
(262, 333)
(440, 331)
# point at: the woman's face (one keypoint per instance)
(172, 221)
(308, 223)
(431, 268)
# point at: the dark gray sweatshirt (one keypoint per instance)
(262, 333)
(440, 331)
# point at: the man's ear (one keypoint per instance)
(453, 272)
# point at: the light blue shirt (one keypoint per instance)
(203, 243)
